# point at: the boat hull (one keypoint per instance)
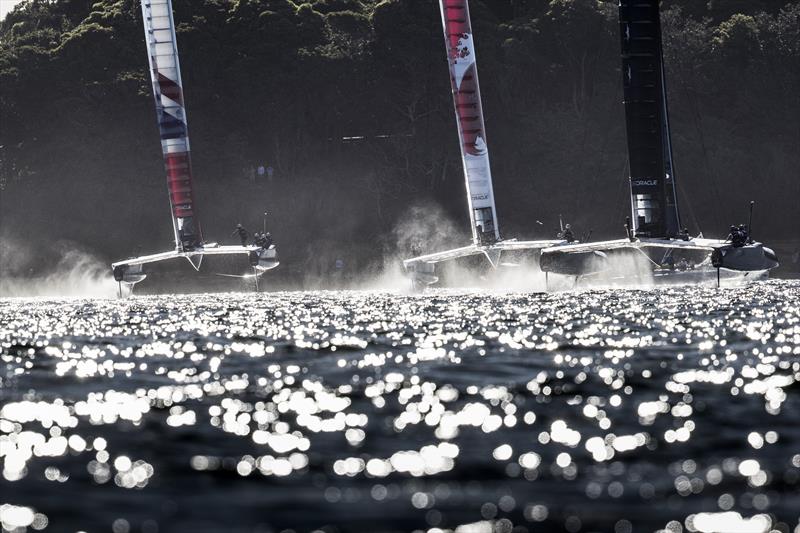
(660, 261)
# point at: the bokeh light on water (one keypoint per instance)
(672, 410)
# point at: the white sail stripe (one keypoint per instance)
(161, 35)
(169, 104)
(159, 31)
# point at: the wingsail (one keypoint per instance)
(486, 240)
(653, 198)
(469, 115)
(669, 253)
(165, 73)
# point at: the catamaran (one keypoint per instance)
(486, 239)
(165, 73)
(655, 236)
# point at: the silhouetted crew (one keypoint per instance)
(684, 234)
(738, 236)
(242, 233)
(567, 234)
(744, 235)
(266, 240)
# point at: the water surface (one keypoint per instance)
(611, 410)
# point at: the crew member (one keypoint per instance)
(266, 240)
(745, 234)
(738, 236)
(242, 233)
(567, 234)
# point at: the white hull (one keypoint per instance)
(422, 269)
(131, 271)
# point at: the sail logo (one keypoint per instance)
(645, 182)
(462, 56)
(480, 146)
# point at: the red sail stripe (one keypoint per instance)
(467, 96)
(179, 181)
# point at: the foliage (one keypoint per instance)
(283, 82)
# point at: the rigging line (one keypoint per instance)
(711, 175)
(647, 256)
(625, 179)
(687, 202)
(611, 113)
(428, 79)
(584, 119)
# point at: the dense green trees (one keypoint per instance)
(288, 84)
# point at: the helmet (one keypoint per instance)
(567, 226)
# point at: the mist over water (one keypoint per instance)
(600, 410)
(69, 271)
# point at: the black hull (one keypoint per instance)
(669, 262)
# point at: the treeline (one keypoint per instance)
(347, 103)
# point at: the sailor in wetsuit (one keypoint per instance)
(262, 240)
(242, 233)
(745, 234)
(567, 234)
(738, 236)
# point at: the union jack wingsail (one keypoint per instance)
(469, 115)
(165, 73)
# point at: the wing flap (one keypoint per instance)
(693, 244)
(153, 258)
(438, 257)
(526, 245)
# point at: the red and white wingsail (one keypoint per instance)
(469, 115)
(486, 239)
(165, 73)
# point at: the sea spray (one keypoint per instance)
(68, 271)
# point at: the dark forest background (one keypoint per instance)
(289, 84)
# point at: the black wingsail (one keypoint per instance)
(653, 199)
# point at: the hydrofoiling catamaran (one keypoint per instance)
(655, 236)
(486, 238)
(159, 31)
